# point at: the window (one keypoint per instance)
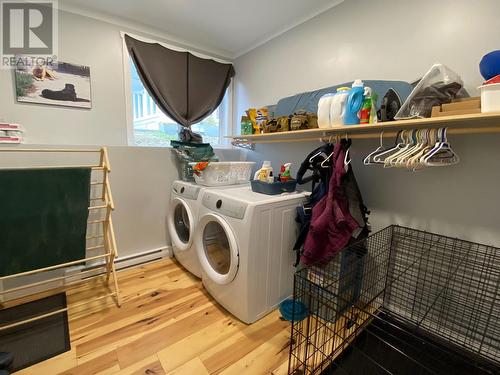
(151, 127)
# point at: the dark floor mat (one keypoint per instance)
(39, 340)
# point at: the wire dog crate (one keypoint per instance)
(402, 301)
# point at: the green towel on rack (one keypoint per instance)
(43, 217)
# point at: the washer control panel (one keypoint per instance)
(186, 190)
(223, 205)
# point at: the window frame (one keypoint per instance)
(226, 108)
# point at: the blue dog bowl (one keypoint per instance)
(287, 310)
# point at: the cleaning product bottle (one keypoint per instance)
(337, 107)
(285, 174)
(263, 173)
(324, 105)
(366, 108)
(373, 112)
(354, 103)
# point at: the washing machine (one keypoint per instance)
(244, 242)
(182, 219)
(181, 222)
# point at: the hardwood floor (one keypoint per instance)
(167, 324)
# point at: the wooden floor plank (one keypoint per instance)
(169, 335)
(142, 324)
(168, 324)
(263, 359)
(192, 346)
(148, 366)
(193, 367)
(105, 364)
(230, 351)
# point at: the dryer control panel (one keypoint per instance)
(223, 205)
(187, 191)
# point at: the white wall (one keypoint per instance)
(141, 177)
(390, 39)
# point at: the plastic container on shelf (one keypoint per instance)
(224, 173)
(275, 187)
(354, 103)
(337, 108)
(324, 106)
(490, 98)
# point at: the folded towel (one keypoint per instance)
(43, 217)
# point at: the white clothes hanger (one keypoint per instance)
(368, 160)
(420, 142)
(406, 137)
(442, 154)
(347, 158)
(327, 159)
(414, 162)
(378, 158)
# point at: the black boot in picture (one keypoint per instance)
(68, 93)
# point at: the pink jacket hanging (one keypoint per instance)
(331, 225)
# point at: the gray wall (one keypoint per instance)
(390, 39)
(141, 177)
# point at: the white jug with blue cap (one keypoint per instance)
(338, 106)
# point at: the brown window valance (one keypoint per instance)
(186, 87)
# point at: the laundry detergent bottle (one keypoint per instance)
(354, 103)
(324, 105)
(264, 172)
(337, 106)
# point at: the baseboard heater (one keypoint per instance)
(74, 274)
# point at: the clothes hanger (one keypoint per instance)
(408, 142)
(322, 165)
(442, 154)
(378, 158)
(433, 148)
(419, 143)
(414, 162)
(314, 156)
(368, 160)
(347, 158)
(410, 139)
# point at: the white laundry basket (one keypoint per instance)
(224, 173)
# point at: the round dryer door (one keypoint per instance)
(217, 249)
(180, 224)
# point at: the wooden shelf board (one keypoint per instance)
(459, 124)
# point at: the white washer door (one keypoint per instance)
(180, 224)
(217, 249)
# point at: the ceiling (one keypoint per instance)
(229, 28)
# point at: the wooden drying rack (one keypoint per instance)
(108, 237)
(478, 123)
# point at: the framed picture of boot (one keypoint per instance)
(42, 81)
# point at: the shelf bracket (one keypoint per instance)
(243, 143)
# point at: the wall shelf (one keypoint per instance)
(478, 123)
